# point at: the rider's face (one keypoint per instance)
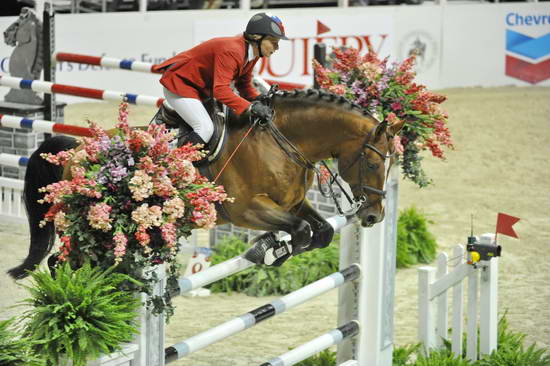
(269, 46)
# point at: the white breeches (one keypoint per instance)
(193, 112)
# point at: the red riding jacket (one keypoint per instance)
(208, 69)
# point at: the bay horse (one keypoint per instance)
(269, 174)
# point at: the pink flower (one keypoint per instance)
(325, 175)
(396, 106)
(65, 248)
(120, 246)
(147, 216)
(141, 185)
(168, 232)
(174, 209)
(98, 217)
(61, 158)
(60, 221)
(392, 118)
(337, 89)
(56, 191)
(399, 149)
(142, 236)
(162, 187)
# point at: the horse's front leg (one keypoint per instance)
(267, 215)
(322, 229)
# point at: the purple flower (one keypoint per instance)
(118, 173)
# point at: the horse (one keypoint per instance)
(25, 34)
(269, 174)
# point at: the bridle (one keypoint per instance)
(361, 157)
(364, 165)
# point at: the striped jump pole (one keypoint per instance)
(51, 88)
(147, 67)
(40, 126)
(109, 62)
(264, 312)
(235, 265)
(15, 161)
(316, 345)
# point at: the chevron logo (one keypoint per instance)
(527, 58)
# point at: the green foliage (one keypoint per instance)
(401, 355)
(14, 350)
(323, 358)
(512, 352)
(263, 280)
(415, 244)
(78, 314)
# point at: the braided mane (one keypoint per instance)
(321, 97)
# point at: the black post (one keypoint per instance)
(320, 54)
(50, 110)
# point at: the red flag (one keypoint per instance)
(321, 28)
(505, 223)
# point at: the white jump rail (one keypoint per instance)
(317, 345)
(434, 284)
(264, 312)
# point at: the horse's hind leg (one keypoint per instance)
(322, 229)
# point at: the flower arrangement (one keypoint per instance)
(129, 198)
(388, 91)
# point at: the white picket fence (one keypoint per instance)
(479, 306)
(11, 203)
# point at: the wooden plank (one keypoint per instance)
(471, 341)
(458, 306)
(442, 303)
(451, 279)
(488, 303)
(426, 326)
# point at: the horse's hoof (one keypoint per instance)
(268, 250)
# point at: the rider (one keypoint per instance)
(207, 70)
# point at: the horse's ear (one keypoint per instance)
(395, 128)
(380, 130)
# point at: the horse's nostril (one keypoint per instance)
(371, 219)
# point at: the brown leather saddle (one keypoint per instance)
(218, 113)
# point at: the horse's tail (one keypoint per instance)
(40, 173)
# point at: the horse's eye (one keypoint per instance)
(372, 166)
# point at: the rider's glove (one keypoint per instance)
(262, 98)
(261, 111)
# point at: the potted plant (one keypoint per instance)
(77, 315)
(129, 199)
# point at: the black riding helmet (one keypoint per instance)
(265, 25)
